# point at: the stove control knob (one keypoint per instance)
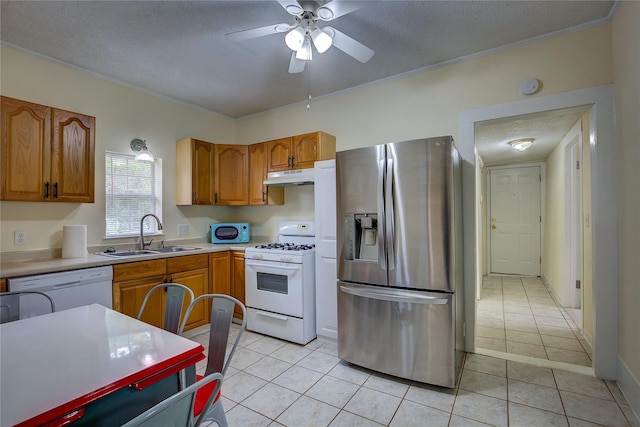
(285, 258)
(257, 256)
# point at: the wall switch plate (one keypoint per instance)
(19, 237)
(183, 229)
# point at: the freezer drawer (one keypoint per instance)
(408, 334)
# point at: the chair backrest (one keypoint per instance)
(173, 307)
(222, 308)
(10, 304)
(177, 409)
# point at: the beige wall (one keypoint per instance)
(626, 64)
(553, 257)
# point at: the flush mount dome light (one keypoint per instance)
(142, 152)
(521, 144)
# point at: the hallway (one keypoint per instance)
(518, 315)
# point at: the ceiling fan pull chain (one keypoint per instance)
(309, 85)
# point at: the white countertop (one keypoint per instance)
(73, 355)
(40, 266)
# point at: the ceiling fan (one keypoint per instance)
(305, 32)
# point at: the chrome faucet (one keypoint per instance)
(142, 242)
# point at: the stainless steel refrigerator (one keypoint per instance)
(400, 304)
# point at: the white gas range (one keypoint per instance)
(280, 284)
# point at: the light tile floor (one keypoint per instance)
(518, 315)
(277, 383)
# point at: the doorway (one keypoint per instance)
(602, 193)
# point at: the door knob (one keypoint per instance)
(493, 226)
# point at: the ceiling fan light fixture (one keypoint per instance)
(304, 52)
(521, 144)
(321, 40)
(295, 38)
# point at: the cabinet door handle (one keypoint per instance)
(292, 161)
(55, 190)
(264, 194)
(289, 161)
(46, 190)
(215, 197)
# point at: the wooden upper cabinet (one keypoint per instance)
(195, 162)
(260, 194)
(47, 154)
(232, 175)
(279, 154)
(26, 150)
(72, 169)
(300, 151)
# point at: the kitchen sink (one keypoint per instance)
(175, 249)
(128, 253)
(149, 251)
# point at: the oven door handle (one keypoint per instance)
(260, 264)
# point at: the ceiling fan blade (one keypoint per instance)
(259, 32)
(292, 7)
(296, 65)
(336, 8)
(349, 46)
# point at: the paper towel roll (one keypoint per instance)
(74, 241)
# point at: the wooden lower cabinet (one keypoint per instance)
(237, 280)
(129, 294)
(3, 285)
(220, 272)
(227, 275)
(193, 272)
(132, 281)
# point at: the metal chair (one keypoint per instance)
(177, 410)
(10, 304)
(173, 306)
(222, 308)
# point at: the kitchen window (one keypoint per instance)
(133, 188)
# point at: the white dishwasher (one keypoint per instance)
(68, 289)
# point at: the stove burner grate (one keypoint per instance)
(287, 246)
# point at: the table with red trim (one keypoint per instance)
(88, 366)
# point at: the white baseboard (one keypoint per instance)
(630, 387)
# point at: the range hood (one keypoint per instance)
(290, 177)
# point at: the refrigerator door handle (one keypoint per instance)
(412, 298)
(382, 258)
(390, 216)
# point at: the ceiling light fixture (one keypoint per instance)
(304, 52)
(142, 152)
(321, 40)
(521, 144)
(295, 38)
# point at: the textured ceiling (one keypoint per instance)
(547, 128)
(178, 49)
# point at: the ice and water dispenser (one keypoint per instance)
(361, 236)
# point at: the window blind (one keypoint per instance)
(130, 193)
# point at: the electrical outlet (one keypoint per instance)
(19, 238)
(183, 229)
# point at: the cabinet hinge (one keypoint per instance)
(578, 164)
(578, 284)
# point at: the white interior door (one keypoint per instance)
(515, 220)
(573, 220)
